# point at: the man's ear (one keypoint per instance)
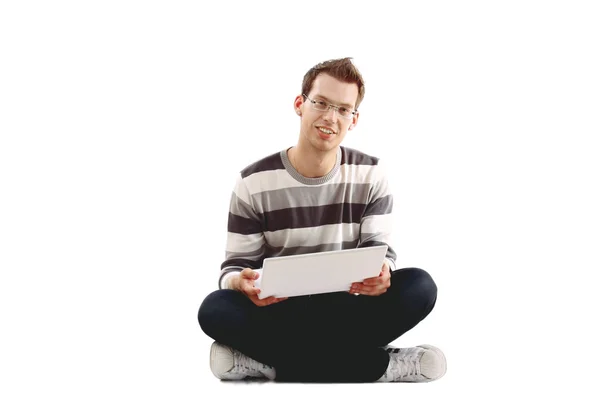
(298, 101)
(354, 122)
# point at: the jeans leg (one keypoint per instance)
(286, 336)
(348, 332)
(230, 318)
(410, 298)
(334, 337)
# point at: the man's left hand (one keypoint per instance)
(374, 286)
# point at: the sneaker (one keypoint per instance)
(229, 364)
(423, 363)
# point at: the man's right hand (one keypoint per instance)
(244, 283)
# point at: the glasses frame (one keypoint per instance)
(330, 106)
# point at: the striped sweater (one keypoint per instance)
(275, 211)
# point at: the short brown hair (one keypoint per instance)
(341, 69)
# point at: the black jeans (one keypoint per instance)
(333, 337)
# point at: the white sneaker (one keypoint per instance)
(229, 364)
(423, 363)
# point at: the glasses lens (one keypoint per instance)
(320, 105)
(345, 112)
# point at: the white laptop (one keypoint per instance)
(323, 272)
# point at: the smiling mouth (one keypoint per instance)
(326, 131)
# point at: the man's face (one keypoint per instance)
(325, 130)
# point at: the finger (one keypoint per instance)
(249, 273)
(247, 283)
(386, 272)
(260, 303)
(378, 289)
(382, 280)
(274, 300)
(381, 287)
(246, 273)
(356, 288)
(368, 289)
(373, 290)
(250, 290)
(266, 301)
(373, 281)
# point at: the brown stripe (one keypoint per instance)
(305, 217)
(355, 157)
(243, 226)
(380, 206)
(241, 262)
(269, 163)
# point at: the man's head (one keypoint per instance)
(341, 69)
(331, 93)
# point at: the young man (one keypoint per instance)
(317, 196)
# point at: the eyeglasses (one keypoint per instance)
(320, 105)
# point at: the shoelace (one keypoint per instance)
(405, 362)
(246, 365)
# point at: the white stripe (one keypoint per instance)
(241, 191)
(239, 243)
(384, 237)
(335, 233)
(361, 174)
(377, 223)
(281, 179)
(270, 180)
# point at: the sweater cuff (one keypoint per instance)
(225, 281)
(390, 264)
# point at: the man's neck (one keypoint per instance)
(311, 164)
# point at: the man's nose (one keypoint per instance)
(331, 114)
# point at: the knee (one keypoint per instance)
(424, 283)
(208, 313)
(417, 284)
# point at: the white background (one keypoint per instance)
(124, 123)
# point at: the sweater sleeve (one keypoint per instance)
(376, 222)
(245, 238)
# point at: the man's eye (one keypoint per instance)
(322, 103)
(345, 111)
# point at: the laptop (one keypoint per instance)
(315, 273)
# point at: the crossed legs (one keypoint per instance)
(335, 337)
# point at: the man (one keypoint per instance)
(317, 196)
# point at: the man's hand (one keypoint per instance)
(244, 283)
(374, 286)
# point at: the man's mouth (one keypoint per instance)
(326, 130)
